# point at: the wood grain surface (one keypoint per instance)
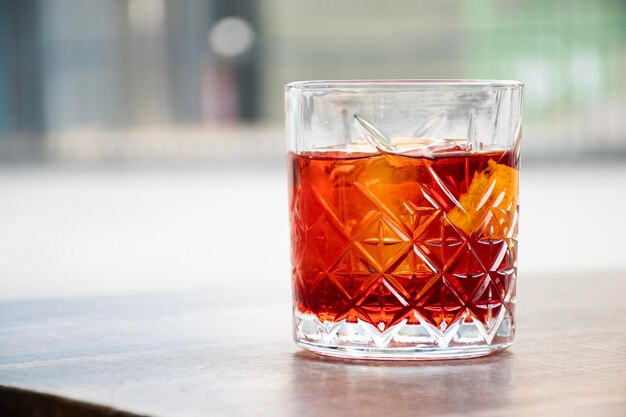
(229, 353)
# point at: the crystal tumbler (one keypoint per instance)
(403, 199)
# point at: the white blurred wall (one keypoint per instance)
(70, 233)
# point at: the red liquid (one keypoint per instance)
(388, 238)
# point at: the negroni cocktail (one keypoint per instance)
(404, 249)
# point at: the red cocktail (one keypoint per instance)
(404, 247)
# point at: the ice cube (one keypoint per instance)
(447, 146)
(360, 147)
(404, 145)
(416, 145)
(356, 148)
(428, 147)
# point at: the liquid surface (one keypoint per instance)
(386, 238)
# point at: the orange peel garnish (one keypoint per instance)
(492, 193)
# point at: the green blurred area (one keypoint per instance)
(570, 53)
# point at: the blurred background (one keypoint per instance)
(142, 144)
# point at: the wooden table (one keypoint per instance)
(222, 354)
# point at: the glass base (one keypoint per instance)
(465, 339)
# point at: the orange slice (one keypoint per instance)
(491, 198)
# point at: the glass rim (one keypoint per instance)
(402, 84)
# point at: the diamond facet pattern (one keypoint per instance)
(404, 252)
